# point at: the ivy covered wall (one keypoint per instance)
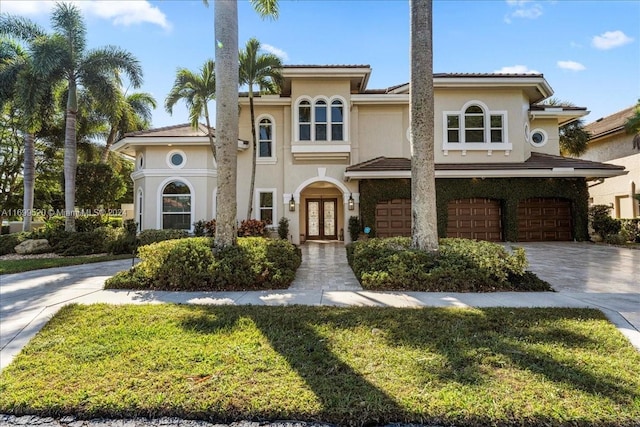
(508, 191)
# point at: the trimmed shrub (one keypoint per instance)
(461, 265)
(147, 237)
(252, 228)
(283, 228)
(354, 228)
(632, 227)
(198, 228)
(191, 264)
(601, 221)
(84, 223)
(74, 243)
(10, 241)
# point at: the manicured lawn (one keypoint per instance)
(20, 265)
(349, 366)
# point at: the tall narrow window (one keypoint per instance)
(337, 121)
(496, 128)
(321, 120)
(474, 124)
(304, 120)
(453, 128)
(266, 207)
(265, 138)
(140, 208)
(176, 206)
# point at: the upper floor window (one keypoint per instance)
(265, 138)
(475, 127)
(320, 120)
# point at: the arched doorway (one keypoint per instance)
(321, 211)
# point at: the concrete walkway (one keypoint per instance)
(585, 275)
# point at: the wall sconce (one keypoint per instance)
(351, 204)
(292, 204)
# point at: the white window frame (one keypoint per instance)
(545, 138)
(171, 153)
(139, 208)
(274, 208)
(192, 193)
(274, 158)
(462, 145)
(329, 122)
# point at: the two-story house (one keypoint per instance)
(330, 148)
(610, 143)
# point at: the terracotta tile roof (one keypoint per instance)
(536, 161)
(610, 124)
(181, 130)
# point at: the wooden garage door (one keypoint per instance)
(393, 218)
(544, 219)
(475, 218)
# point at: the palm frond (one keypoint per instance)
(114, 59)
(266, 8)
(20, 27)
(67, 20)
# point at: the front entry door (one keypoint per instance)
(321, 219)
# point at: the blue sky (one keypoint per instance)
(589, 51)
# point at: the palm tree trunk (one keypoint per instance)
(227, 77)
(211, 141)
(255, 153)
(110, 139)
(70, 160)
(28, 179)
(423, 189)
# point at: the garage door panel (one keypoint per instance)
(544, 219)
(475, 218)
(393, 218)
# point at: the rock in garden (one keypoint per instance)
(33, 246)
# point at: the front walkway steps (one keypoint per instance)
(324, 267)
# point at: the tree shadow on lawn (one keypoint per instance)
(498, 336)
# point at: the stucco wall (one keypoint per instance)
(618, 191)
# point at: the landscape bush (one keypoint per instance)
(252, 228)
(10, 241)
(191, 264)
(283, 228)
(460, 265)
(147, 237)
(84, 223)
(602, 223)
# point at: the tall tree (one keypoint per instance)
(263, 70)
(29, 92)
(227, 77)
(196, 90)
(130, 113)
(65, 56)
(424, 229)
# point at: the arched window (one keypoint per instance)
(474, 124)
(304, 120)
(337, 120)
(476, 127)
(265, 138)
(176, 206)
(321, 120)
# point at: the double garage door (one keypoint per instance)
(539, 219)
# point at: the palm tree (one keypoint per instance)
(265, 71)
(64, 56)
(131, 113)
(227, 77)
(573, 137)
(30, 93)
(196, 90)
(632, 126)
(424, 230)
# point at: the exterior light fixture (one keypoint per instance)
(351, 203)
(292, 204)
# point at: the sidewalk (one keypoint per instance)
(28, 300)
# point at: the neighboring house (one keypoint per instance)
(610, 144)
(329, 148)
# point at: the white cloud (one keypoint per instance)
(276, 51)
(571, 65)
(123, 13)
(610, 39)
(516, 69)
(525, 9)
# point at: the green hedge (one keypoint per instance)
(10, 241)
(147, 237)
(508, 191)
(190, 264)
(461, 265)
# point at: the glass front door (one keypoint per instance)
(322, 223)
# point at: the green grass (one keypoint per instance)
(20, 265)
(349, 366)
